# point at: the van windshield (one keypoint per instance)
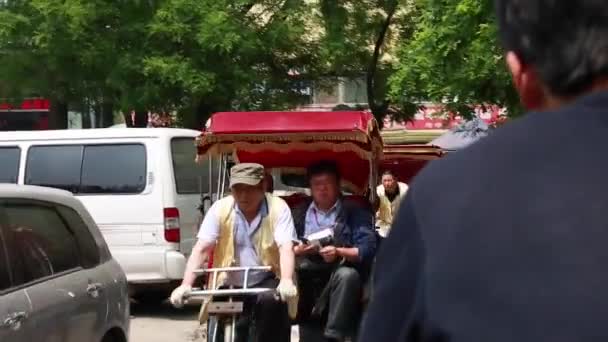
(9, 159)
(190, 177)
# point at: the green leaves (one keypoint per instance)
(199, 56)
(453, 57)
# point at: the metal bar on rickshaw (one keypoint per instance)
(210, 170)
(224, 173)
(228, 292)
(232, 269)
(373, 179)
(246, 279)
(219, 178)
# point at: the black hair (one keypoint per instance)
(389, 173)
(565, 41)
(324, 167)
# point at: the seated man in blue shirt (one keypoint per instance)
(331, 274)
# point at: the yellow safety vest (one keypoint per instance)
(263, 242)
(263, 239)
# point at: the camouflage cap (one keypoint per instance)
(246, 173)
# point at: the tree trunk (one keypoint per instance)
(105, 117)
(379, 110)
(86, 119)
(58, 115)
(205, 109)
(139, 120)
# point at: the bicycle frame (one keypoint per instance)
(228, 309)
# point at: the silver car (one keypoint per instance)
(58, 280)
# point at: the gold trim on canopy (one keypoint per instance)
(359, 136)
(228, 148)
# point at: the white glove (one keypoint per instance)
(177, 296)
(289, 294)
(287, 290)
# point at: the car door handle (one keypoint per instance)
(94, 289)
(14, 320)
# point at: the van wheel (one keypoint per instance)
(151, 297)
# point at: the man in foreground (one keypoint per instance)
(506, 240)
(390, 194)
(332, 267)
(250, 228)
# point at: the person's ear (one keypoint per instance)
(527, 83)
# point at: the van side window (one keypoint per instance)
(54, 166)
(190, 177)
(113, 169)
(88, 169)
(9, 159)
(42, 243)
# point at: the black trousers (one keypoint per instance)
(264, 317)
(337, 304)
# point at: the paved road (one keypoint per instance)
(163, 323)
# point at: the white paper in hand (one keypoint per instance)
(315, 238)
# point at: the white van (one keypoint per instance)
(141, 185)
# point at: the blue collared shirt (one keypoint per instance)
(317, 220)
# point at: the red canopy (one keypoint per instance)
(405, 161)
(294, 140)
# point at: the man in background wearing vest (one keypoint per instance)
(331, 274)
(390, 193)
(250, 228)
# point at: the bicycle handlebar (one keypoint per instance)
(232, 269)
(229, 292)
(245, 291)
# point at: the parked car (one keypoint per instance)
(141, 185)
(58, 280)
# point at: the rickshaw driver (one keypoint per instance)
(250, 228)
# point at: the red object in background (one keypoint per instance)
(431, 117)
(354, 169)
(31, 114)
(294, 140)
(289, 122)
(405, 161)
(172, 232)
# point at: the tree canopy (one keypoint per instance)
(453, 57)
(201, 56)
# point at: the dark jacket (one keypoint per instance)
(354, 228)
(504, 241)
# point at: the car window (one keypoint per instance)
(40, 240)
(54, 166)
(87, 246)
(190, 177)
(113, 169)
(9, 159)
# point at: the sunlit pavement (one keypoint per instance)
(163, 323)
